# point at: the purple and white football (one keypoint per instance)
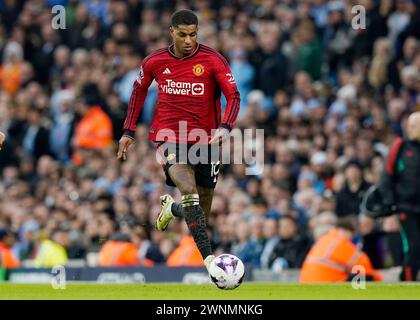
(227, 271)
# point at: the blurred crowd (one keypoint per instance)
(331, 98)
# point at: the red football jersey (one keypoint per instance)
(189, 94)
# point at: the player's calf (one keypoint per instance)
(195, 219)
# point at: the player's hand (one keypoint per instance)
(2, 139)
(124, 143)
(220, 136)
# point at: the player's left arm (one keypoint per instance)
(226, 81)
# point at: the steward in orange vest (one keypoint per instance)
(94, 130)
(333, 257)
(7, 258)
(186, 254)
(120, 252)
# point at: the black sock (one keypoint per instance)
(176, 209)
(196, 221)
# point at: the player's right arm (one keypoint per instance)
(138, 95)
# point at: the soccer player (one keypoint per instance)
(190, 77)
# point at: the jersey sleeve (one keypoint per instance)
(138, 95)
(386, 184)
(226, 81)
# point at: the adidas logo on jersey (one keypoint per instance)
(167, 71)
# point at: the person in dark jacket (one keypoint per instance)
(291, 249)
(35, 137)
(399, 188)
(350, 197)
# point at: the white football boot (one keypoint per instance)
(165, 216)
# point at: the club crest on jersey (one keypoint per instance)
(141, 75)
(198, 69)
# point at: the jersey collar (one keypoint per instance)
(170, 48)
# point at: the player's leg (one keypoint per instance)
(410, 235)
(206, 174)
(167, 155)
(206, 198)
(183, 177)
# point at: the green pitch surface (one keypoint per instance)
(248, 291)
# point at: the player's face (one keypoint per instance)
(185, 39)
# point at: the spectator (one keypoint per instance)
(63, 121)
(249, 249)
(52, 252)
(372, 241)
(309, 51)
(8, 260)
(322, 223)
(244, 74)
(94, 131)
(305, 98)
(376, 18)
(292, 247)
(333, 257)
(273, 65)
(119, 251)
(350, 196)
(146, 248)
(11, 68)
(379, 66)
(35, 136)
(338, 37)
(271, 238)
(186, 253)
(242, 246)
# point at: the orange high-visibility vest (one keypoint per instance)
(94, 131)
(10, 78)
(186, 254)
(120, 254)
(332, 259)
(7, 258)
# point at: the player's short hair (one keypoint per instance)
(184, 16)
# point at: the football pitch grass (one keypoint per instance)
(247, 291)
